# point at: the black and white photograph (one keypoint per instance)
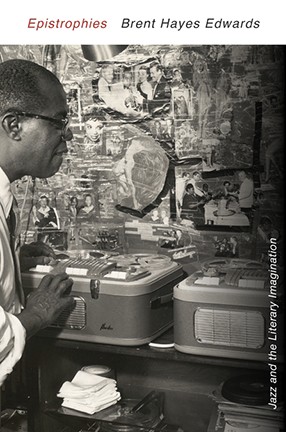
(141, 225)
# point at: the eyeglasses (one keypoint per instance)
(63, 123)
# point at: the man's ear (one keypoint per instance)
(11, 125)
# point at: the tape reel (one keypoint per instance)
(125, 260)
(155, 261)
(223, 265)
(147, 261)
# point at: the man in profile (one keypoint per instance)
(33, 135)
(245, 194)
(196, 178)
(192, 207)
(161, 88)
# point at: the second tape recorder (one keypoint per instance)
(223, 310)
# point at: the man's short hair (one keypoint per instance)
(190, 186)
(45, 198)
(157, 65)
(94, 116)
(93, 113)
(21, 85)
(106, 66)
(242, 172)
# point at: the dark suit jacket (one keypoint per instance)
(162, 89)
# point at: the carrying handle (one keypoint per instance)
(159, 301)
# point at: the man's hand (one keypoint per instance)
(35, 253)
(45, 304)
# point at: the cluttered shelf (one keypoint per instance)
(159, 349)
(147, 413)
(187, 381)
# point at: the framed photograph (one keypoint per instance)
(212, 201)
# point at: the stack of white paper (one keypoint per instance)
(89, 393)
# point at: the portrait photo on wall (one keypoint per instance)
(210, 148)
(94, 85)
(187, 142)
(44, 215)
(182, 103)
(79, 206)
(46, 222)
(73, 92)
(163, 129)
(88, 208)
(104, 184)
(93, 124)
(114, 142)
(178, 80)
(210, 202)
(160, 215)
(117, 90)
(160, 98)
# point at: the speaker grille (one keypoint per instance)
(73, 317)
(230, 328)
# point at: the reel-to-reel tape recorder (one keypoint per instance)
(120, 300)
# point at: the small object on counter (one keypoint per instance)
(102, 370)
(161, 345)
(89, 393)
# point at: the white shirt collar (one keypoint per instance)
(6, 196)
(44, 210)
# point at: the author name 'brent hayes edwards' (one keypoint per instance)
(168, 23)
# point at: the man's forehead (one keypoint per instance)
(94, 122)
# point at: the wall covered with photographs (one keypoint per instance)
(176, 149)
